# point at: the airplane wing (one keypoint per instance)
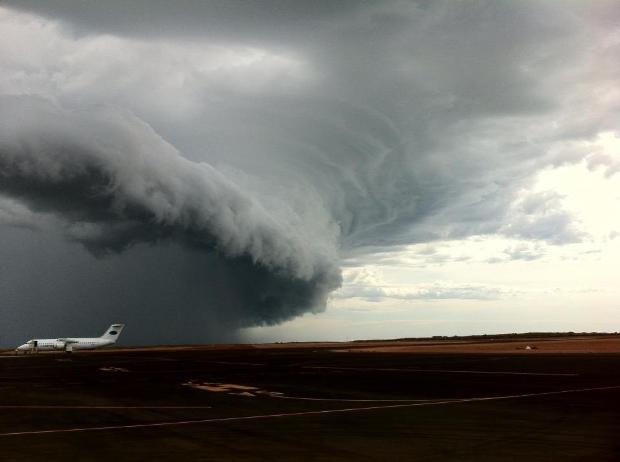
(67, 341)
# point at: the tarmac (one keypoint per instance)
(308, 403)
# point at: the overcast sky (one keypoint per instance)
(280, 170)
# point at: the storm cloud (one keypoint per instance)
(211, 165)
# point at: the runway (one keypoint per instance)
(443, 371)
(308, 404)
(272, 416)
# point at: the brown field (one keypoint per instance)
(553, 345)
(537, 345)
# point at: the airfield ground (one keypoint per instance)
(446, 401)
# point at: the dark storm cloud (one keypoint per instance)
(235, 21)
(116, 184)
(167, 293)
(274, 138)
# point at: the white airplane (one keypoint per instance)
(70, 344)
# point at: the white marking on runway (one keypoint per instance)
(441, 371)
(101, 407)
(349, 400)
(302, 413)
(235, 363)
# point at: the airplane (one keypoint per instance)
(68, 345)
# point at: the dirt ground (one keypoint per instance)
(536, 346)
(571, 344)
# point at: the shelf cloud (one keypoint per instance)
(218, 161)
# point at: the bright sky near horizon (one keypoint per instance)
(283, 171)
(486, 284)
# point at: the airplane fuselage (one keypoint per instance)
(69, 344)
(51, 344)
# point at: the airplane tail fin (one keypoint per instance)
(113, 332)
